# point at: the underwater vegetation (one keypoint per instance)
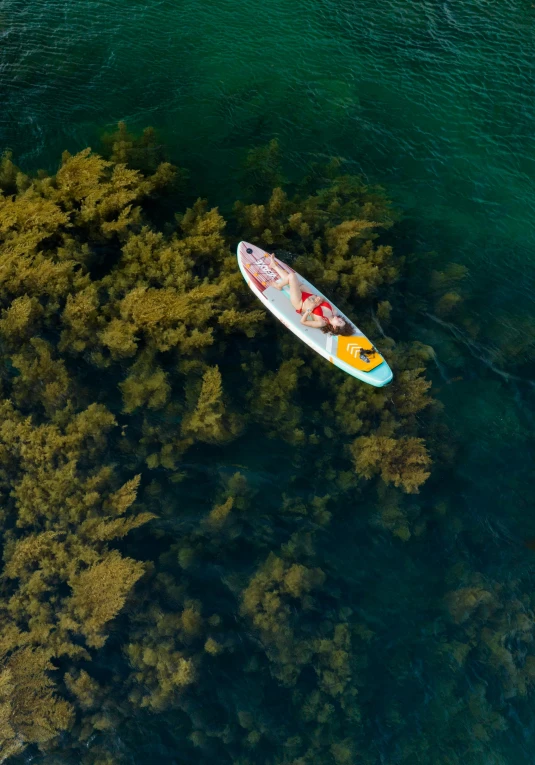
(137, 587)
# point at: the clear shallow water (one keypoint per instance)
(432, 100)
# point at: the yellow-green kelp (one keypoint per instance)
(130, 351)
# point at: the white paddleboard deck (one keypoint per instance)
(343, 352)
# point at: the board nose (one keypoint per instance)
(247, 246)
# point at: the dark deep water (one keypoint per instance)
(434, 101)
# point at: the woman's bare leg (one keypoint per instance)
(295, 291)
(284, 275)
(290, 279)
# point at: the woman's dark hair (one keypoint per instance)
(345, 330)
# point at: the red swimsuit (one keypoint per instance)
(317, 310)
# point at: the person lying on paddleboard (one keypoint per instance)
(315, 311)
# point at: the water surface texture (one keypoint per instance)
(435, 101)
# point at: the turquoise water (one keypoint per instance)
(434, 101)
(431, 100)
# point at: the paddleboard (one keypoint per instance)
(343, 352)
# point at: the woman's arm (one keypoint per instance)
(316, 322)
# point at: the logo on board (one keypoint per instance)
(265, 269)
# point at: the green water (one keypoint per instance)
(434, 101)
